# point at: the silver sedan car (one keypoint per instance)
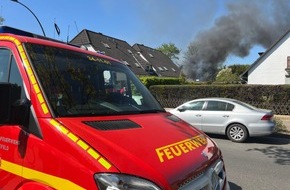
(235, 119)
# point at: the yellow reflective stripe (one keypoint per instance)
(43, 178)
(28, 69)
(93, 153)
(36, 88)
(44, 108)
(10, 167)
(106, 164)
(83, 144)
(40, 98)
(72, 137)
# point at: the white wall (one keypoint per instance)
(270, 69)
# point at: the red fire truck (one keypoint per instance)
(66, 124)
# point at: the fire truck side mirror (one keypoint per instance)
(13, 110)
(20, 112)
(5, 102)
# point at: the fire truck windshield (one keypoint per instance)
(80, 84)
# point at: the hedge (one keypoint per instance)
(275, 97)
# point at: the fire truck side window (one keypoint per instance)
(9, 71)
(15, 77)
(4, 62)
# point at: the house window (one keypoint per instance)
(101, 52)
(129, 51)
(150, 55)
(160, 68)
(137, 64)
(106, 46)
(165, 68)
(288, 67)
(126, 63)
(173, 69)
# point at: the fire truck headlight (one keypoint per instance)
(107, 181)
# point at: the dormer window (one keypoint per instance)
(106, 46)
(137, 64)
(126, 63)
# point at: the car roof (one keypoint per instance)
(228, 100)
(215, 98)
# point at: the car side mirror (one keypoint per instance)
(182, 109)
(13, 110)
(8, 95)
(20, 112)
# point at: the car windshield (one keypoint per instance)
(80, 84)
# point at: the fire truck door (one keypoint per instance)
(12, 137)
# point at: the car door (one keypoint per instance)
(12, 137)
(191, 113)
(215, 116)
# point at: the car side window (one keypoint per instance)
(194, 105)
(230, 107)
(4, 62)
(9, 71)
(15, 77)
(217, 106)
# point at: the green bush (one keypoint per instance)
(280, 127)
(149, 81)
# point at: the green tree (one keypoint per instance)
(238, 69)
(231, 74)
(170, 50)
(227, 76)
(1, 20)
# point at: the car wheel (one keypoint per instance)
(237, 133)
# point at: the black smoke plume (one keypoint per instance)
(248, 23)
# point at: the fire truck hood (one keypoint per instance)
(147, 144)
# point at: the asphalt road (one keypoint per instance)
(260, 164)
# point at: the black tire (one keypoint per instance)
(237, 133)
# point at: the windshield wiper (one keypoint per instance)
(152, 111)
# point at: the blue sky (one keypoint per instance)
(148, 22)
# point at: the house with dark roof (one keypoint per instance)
(273, 66)
(135, 58)
(112, 47)
(158, 62)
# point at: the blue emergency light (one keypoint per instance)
(7, 29)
